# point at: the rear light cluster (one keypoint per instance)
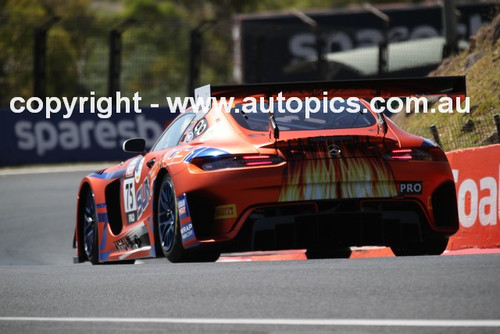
(416, 154)
(401, 154)
(236, 161)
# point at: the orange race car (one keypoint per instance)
(230, 180)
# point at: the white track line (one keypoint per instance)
(291, 322)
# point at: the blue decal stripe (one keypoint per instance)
(192, 245)
(191, 154)
(103, 218)
(108, 175)
(100, 205)
(427, 143)
(204, 152)
(187, 207)
(104, 256)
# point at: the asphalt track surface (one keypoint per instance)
(42, 291)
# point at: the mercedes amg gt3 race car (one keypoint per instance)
(221, 181)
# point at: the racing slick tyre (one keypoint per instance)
(431, 246)
(89, 228)
(168, 235)
(89, 232)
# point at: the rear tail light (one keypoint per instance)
(401, 154)
(416, 154)
(236, 161)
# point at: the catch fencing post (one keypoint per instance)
(321, 61)
(497, 123)
(115, 56)
(195, 56)
(40, 57)
(435, 134)
(449, 15)
(383, 52)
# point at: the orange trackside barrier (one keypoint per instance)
(477, 178)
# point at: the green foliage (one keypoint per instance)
(483, 89)
(155, 42)
(18, 20)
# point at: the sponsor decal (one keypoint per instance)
(187, 231)
(182, 207)
(138, 170)
(131, 167)
(225, 211)
(186, 225)
(478, 195)
(410, 188)
(189, 137)
(476, 172)
(143, 196)
(43, 137)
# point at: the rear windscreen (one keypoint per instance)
(301, 116)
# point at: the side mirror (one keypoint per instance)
(134, 145)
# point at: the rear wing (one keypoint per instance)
(452, 86)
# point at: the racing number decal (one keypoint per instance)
(200, 127)
(129, 200)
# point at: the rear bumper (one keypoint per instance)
(246, 206)
(332, 224)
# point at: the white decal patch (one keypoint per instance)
(138, 170)
(129, 200)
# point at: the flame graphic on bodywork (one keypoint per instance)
(346, 172)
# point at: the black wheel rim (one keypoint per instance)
(166, 215)
(89, 224)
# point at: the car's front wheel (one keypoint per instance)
(89, 228)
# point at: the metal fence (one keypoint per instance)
(455, 134)
(61, 57)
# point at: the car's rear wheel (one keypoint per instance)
(168, 234)
(326, 253)
(89, 228)
(432, 246)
